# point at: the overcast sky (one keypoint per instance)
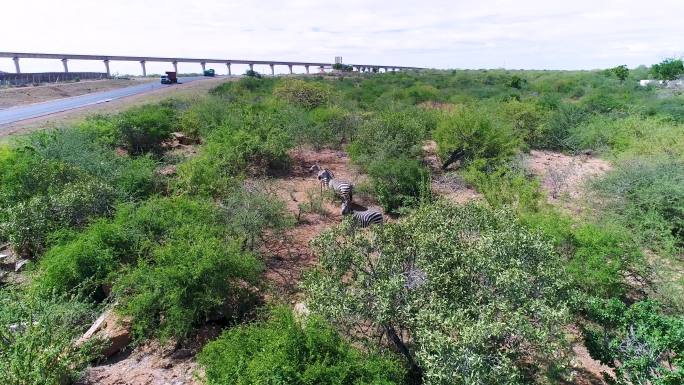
(568, 34)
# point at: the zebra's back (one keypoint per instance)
(368, 217)
(342, 188)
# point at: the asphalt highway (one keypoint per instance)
(19, 113)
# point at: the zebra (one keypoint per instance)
(363, 218)
(341, 187)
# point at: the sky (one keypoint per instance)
(522, 34)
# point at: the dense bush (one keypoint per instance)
(527, 119)
(37, 339)
(329, 127)
(62, 179)
(505, 186)
(399, 182)
(561, 122)
(305, 94)
(420, 93)
(285, 350)
(598, 255)
(472, 288)
(192, 277)
(648, 196)
(390, 134)
(643, 345)
(179, 263)
(468, 135)
(254, 141)
(144, 128)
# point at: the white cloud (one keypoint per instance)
(429, 33)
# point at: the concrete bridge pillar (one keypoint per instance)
(175, 66)
(251, 66)
(229, 73)
(106, 63)
(204, 67)
(272, 69)
(142, 64)
(307, 69)
(64, 63)
(290, 67)
(16, 64)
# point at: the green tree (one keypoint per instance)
(465, 293)
(668, 69)
(621, 72)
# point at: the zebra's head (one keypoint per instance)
(325, 175)
(346, 208)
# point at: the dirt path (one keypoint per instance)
(289, 255)
(17, 96)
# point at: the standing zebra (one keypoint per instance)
(363, 218)
(341, 187)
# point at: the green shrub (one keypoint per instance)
(285, 350)
(252, 74)
(80, 148)
(469, 135)
(251, 209)
(603, 102)
(598, 255)
(37, 339)
(142, 129)
(86, 260)
(561, 122)
(420, 93)
(255, 141)
(643, 345)
(527, 119)
(505, 186)
(244, 86)
(62, 179)
(390, 134)
(190, 278)
(399, 182)
(648, 196)
(173, 262)
(329, 126)
(305, 94)
(469, 285)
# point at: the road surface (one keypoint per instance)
(19, 113)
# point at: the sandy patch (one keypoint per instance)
(563, 177)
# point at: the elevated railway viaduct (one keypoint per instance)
(106, 59)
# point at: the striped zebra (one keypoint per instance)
(363, 218)
(341, 187)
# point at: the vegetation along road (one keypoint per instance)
(19, 113)
(527, 227)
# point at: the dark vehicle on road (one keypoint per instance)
(169, 78)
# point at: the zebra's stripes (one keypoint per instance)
(363, 218)
(341, 187)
